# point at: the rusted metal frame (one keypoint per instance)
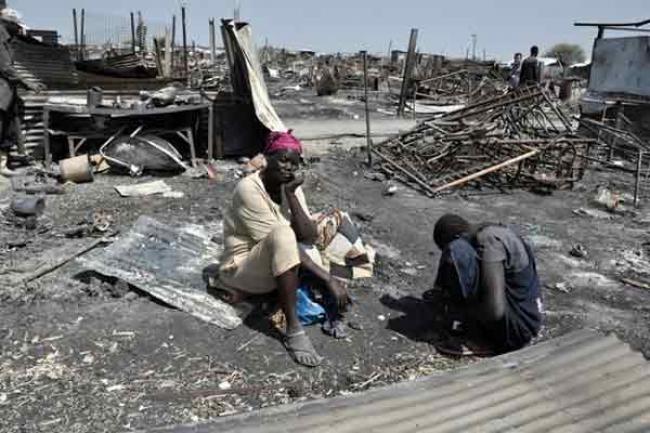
(475, 110)
(410, 175)
(548, 120)
(508, 98)
(557, 111)
(441, 77)
(542, 125)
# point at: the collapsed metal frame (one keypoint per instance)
(520, 138)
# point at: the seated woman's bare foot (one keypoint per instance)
(301, 350)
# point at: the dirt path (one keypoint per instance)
(82, 356)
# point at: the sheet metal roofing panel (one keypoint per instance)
(43, 63)
(581, 382)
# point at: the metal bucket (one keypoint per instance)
(94, 97)
(76, 169)
(28, 206)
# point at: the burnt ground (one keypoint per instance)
(87, 354)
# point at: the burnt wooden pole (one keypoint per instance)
(76, 32)
(173, 44)
(132, 33)
(141, 34)
(184, 26)
(637, 182)
(365, 94)
(408, 71)
(82, 36)
(213, 42)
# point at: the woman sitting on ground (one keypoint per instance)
(489, 278)
(267, 220)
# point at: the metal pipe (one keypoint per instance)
(365, 93)
(637, 24)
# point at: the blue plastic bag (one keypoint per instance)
(309, 312)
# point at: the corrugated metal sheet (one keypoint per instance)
(582, 382)
(167, 262)
(43, 63)
(620, 66)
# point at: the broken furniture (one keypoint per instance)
(181, 121)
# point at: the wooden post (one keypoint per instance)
(213, 43)
(82, 36)
(365, 93)
(184, 26)
(159, 63)
(141, 33)
(408, 71)
(167, 67)
(211, 131)
(173, 58)
(132, 33)
(637, 183)
(76, 33)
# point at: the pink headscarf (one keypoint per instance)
(278, 141)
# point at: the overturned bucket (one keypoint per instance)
(76, 169)
(28, 206)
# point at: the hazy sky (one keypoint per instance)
(502, 27)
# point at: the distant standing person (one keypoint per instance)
(488, 277)
(515, 72)
(531, 71)
(9, 80)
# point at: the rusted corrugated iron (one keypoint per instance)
(582, 382)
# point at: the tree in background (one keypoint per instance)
(567, 54)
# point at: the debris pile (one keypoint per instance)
(461, 85)
(619, 146)
(519, 139)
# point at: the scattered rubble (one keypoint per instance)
(517, 139)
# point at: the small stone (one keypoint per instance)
(355, 325)
(579, 251)
(225, 386)
(381, 317)
(389, 189)
(131, 296)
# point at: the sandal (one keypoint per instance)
(301, 350)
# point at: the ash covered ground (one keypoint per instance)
(83, 353)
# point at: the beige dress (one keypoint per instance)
(259, 243)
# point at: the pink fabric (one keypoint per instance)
(278, 141)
